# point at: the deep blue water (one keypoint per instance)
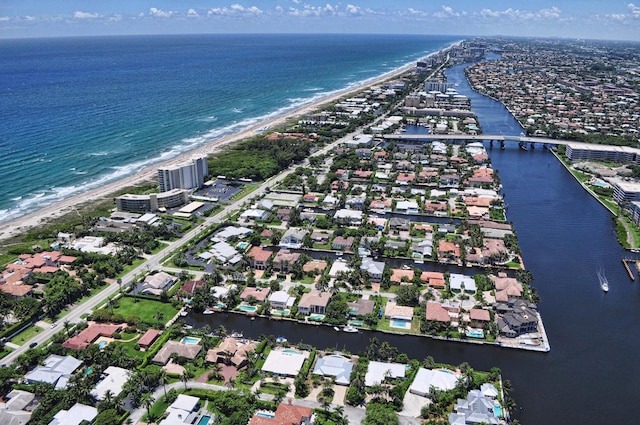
(79, 112)
(590, 375)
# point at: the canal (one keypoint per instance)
(590, 376)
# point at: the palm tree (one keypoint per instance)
(342, 419)
(163, 379)
(147, 401)
(186, 375)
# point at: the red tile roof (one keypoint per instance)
(87, 336)
(148, 338)
(437, 312)
(286, 414)
(259, 254)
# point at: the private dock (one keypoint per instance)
(626, 266)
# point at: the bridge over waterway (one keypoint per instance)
(501, 138)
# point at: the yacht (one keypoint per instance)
(350, 329)
(604, 284)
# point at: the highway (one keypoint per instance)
(154, 262)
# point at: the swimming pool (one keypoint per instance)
(102, 344)
(280, 312)
(242, 245)
(497, 410)
(402, 324)
(248, 308)
(291, 351)
(204, 420)
(600, 183)
(475, 333)
(446, 371)
(190, 340)
(316, 317)
(356, 323)
(266, 415)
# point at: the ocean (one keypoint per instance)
(78, 113)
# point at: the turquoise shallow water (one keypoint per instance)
(79, 112)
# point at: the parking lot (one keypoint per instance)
(221, 189)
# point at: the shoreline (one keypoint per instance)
(43, 216)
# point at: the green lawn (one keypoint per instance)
(26, 335)
(246, 189)
(146, 310)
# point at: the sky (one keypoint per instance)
(591, 19)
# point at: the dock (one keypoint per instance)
(626, 266)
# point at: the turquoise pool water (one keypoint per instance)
(266, 415)
(291, 351)
(475, 333)
(281, 312)
(446, 371)
(356, 323)
(204, 420)
(88, 371)
(402, 324)
(248, 308)
(497, 410)
(242, 245)
(190, 340)
(316, 317)
(102, 344)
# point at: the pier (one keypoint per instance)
(626, 266)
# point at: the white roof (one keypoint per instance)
(282, 297)
(75, 415)
(337, 267)
(285, 362)
(115, 379)
(223, 251)
(442, 380)
(180, 410)
(254, 213)
(334, 365)
(457, 280)
(407, 205)
(55, 367)
(66, 364)
(357, 214)
(230, 231)
(377, 372)
(489, 390)
(185, 402)
(372, 267)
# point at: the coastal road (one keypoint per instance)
(154, 262)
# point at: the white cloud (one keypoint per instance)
(446, 12)
(192, 12)
(634, 10)
(235, 10)
(353, 10)
(4, 18)
(85, 15)
(159, 13)
(417, 13)
(516, 14)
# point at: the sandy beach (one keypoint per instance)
(42, 216)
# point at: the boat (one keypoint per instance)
(350, 329)
(207, 311)
(635, 250)
(236, 335)
(604, 284)
(337, 329)
(281, 339)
